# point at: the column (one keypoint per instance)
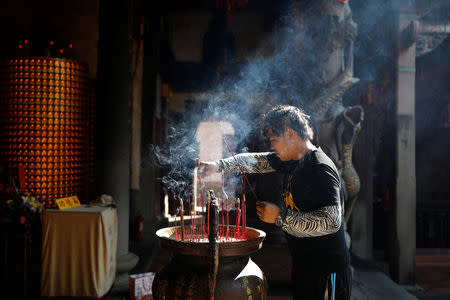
(114, 116)
(403, 251)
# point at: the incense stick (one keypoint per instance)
(175, 221)
(238, 219)
(226, 205)
(240, 168)
(182, 219)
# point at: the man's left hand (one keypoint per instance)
(267, 211)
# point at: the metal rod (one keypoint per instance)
(213, 245)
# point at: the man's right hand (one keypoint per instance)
(206, 168)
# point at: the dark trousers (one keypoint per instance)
(312, 285)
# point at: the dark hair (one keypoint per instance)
(279, 118)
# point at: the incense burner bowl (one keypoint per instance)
(186, 275)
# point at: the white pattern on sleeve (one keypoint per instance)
(322, 221)
(249, 162)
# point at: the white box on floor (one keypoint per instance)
(141, 286)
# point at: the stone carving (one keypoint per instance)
(427, 43)
(329, 33)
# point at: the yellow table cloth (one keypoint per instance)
(78, 251)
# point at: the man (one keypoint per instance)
(312, 213)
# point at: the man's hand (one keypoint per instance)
(267, 211)
(206, 168)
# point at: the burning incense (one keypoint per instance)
(242, 171)
(244, 217)
(201, 233)
(175, 220)
(223, 222)
(244, 214)
(244, 207)
(238, 219)
(182, 219)
(226, 206)
(228, 218)
(190, 212)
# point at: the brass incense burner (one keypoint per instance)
(210, 269)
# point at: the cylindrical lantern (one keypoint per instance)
(46, 121)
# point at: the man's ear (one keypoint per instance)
(289, 133)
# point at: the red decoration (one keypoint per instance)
(21, 172)
(230, 5)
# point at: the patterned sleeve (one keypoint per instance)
(322, 221)
(249, 162)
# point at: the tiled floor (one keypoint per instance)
(434, 280)
(433, 273)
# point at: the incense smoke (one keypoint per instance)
(290, 75)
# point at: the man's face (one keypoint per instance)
(280, 145)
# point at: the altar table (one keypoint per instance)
(78, 251)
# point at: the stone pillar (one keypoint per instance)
(114, 113)
(403, 251)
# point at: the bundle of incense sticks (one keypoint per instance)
(202, 233)
(191, 234)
